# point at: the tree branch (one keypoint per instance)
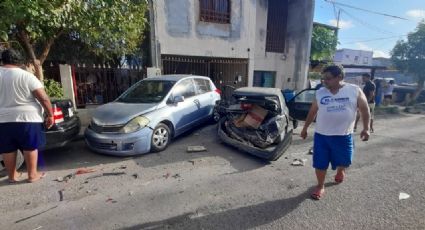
(48, 45)
(25, 40)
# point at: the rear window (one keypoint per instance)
(202, 86)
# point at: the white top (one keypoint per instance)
(337, 113)
(17, 103)
(389, 90)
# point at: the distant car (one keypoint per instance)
(66, 128)
(259, 121)
(149, 114)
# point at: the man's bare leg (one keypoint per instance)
(340, 174)
(320, 189)
(9, 160)
(31, 158)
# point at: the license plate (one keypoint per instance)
(70, 113)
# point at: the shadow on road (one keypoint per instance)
(240, 218)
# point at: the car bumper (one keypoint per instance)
(119, 144)
(63, 133)
(267, 154)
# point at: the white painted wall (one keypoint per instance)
(67, 83)
(348, 57)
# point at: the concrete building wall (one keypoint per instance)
(291, 66)
(180, 32)
(353, 57)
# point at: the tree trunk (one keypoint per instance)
(419, 89)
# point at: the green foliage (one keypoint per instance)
(108, 28)
(409, 56)
(314, 75)
(53, 88)
(323, 43)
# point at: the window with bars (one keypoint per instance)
(217, 11)
(276, 25)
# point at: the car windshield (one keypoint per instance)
(147, 91)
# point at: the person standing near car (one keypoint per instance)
(388, 92)
(335, 106)
(21, 117)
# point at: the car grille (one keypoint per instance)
(105, 129)
(107, 146)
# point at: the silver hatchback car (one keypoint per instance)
(149, 114)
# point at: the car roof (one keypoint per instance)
(174, 77)
(258, 91)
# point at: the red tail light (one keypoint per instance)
(218, 91)
(57, 114)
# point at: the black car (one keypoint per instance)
(66, 128)
(260, 121)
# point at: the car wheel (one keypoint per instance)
(161, 137)
(19, 161)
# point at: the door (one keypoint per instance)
(206, 97)
(300, 104)
(187, 112)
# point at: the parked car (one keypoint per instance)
(66, 128)
(149, 114)
(260, 121)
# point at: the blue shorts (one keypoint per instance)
(21, 135)
(337, 150)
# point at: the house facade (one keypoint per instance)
(235, 42)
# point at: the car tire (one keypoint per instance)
(19, 161)
(161, 137)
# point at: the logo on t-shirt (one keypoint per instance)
(326, 100)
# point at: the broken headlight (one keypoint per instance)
(135, 124)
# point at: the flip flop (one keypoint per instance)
(43, 174)
(339, 178)
(318, 193)
(15, 181)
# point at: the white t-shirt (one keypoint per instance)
(17, 103)
(389, 90)
(337, 113)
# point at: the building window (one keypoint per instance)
(356, 59)
(365, 60)
(276, 25)
(347, 56)
(264, 79)
(217, 11)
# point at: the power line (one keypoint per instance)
(366, 24)
(366, 10)
(375, 39)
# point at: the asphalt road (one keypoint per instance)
(225, 189)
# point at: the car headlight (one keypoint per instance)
(135, 124)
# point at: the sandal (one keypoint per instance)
(42, 175)
(318, 193)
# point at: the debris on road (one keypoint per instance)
(26, 218)
(59, 179)
(111, 200)
(176, 176)
(131, 193)
(299, 162)
(403, 196)
(135, 176)
(123, 167)
(84, 171)
(166, 175)
(310, 151)
(193, 162)
(39, 227)
(107, 174)
(61, 195)
(196, 148)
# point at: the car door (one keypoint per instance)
(187, 112)
(300, 104)
(205, 96)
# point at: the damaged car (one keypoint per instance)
(260, 121)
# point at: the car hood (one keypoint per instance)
(117, 113)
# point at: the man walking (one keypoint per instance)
(21, 119)
(336, 106)
(369, 90)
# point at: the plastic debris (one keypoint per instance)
(299, 162)
(403, 196)
(175, 176)
(196, 148)
(166, 175)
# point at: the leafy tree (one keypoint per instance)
(409, 56)
(323, 43)
(108, 28)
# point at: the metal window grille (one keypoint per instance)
(276, 25)
(217, 11)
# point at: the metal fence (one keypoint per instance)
(222, 71)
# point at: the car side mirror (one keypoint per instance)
(178, 99)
